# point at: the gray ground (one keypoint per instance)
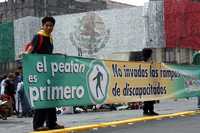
(178, 125)
(24, 125)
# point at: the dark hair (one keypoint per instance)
(11, 75)
(19, 67)
(17, 74)
(146, 52)
(48, 19)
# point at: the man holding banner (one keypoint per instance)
(42, 43)
(148, 107)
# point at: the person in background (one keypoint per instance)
(42, 43)
(196, 61)
(18, 75)
(1, 78)
(18, 79)
(22, 105)
(10, 90)
(3, 84)
(148, 106)
(26, 110)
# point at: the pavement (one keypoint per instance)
(93, 120)
(175, 125)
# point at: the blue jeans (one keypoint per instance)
(26, 108)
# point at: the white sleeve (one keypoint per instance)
(19, 86)
(2, 87)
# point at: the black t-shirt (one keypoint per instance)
(46, 44)
(9, 87)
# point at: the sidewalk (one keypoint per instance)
(24, 125)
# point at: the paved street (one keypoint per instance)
(24, 125)
(179, 125)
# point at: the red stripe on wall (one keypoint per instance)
(182, 23)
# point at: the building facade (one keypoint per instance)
(14, 9)
(120, 38)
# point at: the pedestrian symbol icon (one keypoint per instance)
(98, 82)
(98, 78)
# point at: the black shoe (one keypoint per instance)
(153, 113)
(145, 113)
(57, 126)
(41, 129)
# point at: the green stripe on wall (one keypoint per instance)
(7, 52)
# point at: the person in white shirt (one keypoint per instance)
(3, 85)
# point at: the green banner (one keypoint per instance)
(58, 80)
(54, 80)
(185, 80)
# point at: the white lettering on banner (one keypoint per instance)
(32, 79)
(42, 66)
(61, 67)
(55, 93)
(34, 94)
(66, 68)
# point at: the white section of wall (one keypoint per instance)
(126, 31)
(154, 23)
(24, 29)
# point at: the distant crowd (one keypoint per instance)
(12, 91)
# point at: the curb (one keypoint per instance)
(121, 122)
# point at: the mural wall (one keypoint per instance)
(92, 34)
(99, 34)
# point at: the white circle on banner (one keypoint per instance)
(98, 80)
